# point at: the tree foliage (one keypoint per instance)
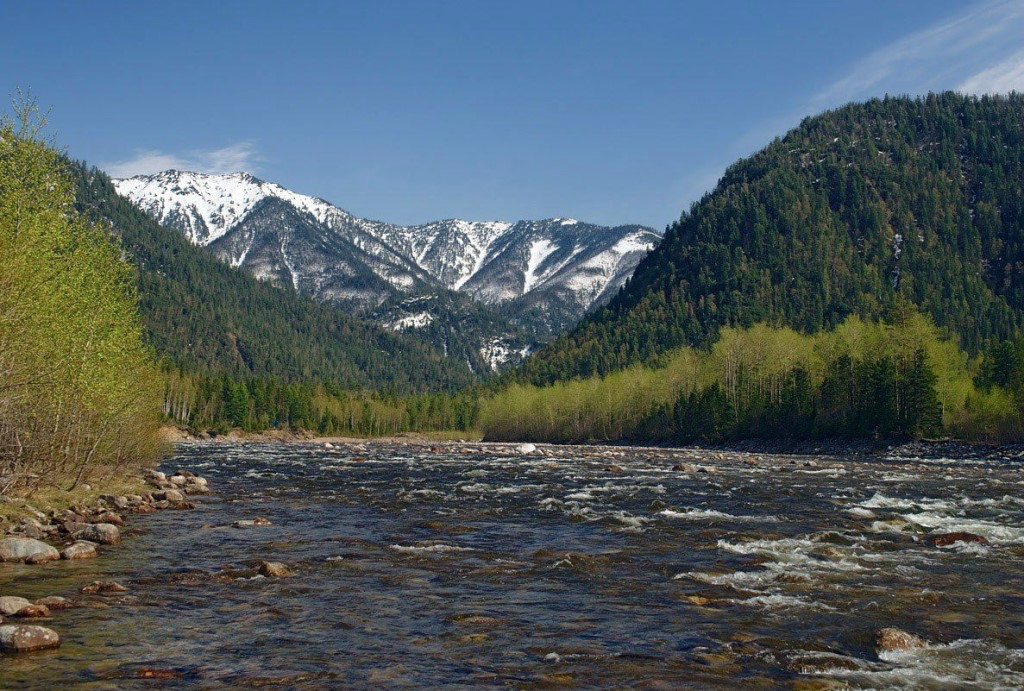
(78, 388)
(860, 379)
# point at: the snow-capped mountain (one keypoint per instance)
(541, 275)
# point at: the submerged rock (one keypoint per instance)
(55, 602)
(103, 587)
(947, 539)
(26, 549)
(23, 638)
(891, 639)
(79, 550)
(251, 522)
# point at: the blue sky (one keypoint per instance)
(612, 112)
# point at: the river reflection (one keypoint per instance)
(582, 568)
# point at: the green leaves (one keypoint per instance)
(80, 390)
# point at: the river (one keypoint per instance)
(586, 567)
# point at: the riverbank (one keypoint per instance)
(57, 525)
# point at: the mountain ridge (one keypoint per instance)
(540, 276)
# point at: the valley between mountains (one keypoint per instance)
(484, 292)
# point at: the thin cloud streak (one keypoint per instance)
(1003, 78)
(975, 52)
(938, 57)
(234, 158)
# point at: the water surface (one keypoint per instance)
(585, 568)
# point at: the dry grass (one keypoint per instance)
(45, 499)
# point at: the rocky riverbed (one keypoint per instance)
(73, 534)
(391, 565)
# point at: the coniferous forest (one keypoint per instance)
(915, 199)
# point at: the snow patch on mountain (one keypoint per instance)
(542, 275)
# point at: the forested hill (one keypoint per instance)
(209, 318)
(918, 199)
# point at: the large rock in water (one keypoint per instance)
(23, 638)
(27, 549)
(11, 605)
(103, 533)
(79, 550)
(891, 639)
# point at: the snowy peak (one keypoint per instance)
(206, 207)
(544, 274)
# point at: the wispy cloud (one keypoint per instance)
(1003, 78)
(976, 51)
(242, 156)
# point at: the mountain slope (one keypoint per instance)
(208, 317)
(851, 212)
(541, 276)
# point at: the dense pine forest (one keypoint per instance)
(916, 199)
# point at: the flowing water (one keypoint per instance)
(584, 568)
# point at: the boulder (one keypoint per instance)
(26, 549)
(33, 612)
(171, 495)
(11, 605)
(23, 638)
(103, 533)
(107, 517)
(891, 639)
(178, 480)
(526, 448)
(274, 569)
(81, 549)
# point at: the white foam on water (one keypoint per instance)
(860, 513)
(580, 495)
(881, 501)
(631, 522)
(475, 487)
(962, 664)
(783, 602)
(713, 515)
(940, 522)
(439, 547)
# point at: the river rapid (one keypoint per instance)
(576, 567)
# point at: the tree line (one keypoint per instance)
(894, 377)
(219, 403)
